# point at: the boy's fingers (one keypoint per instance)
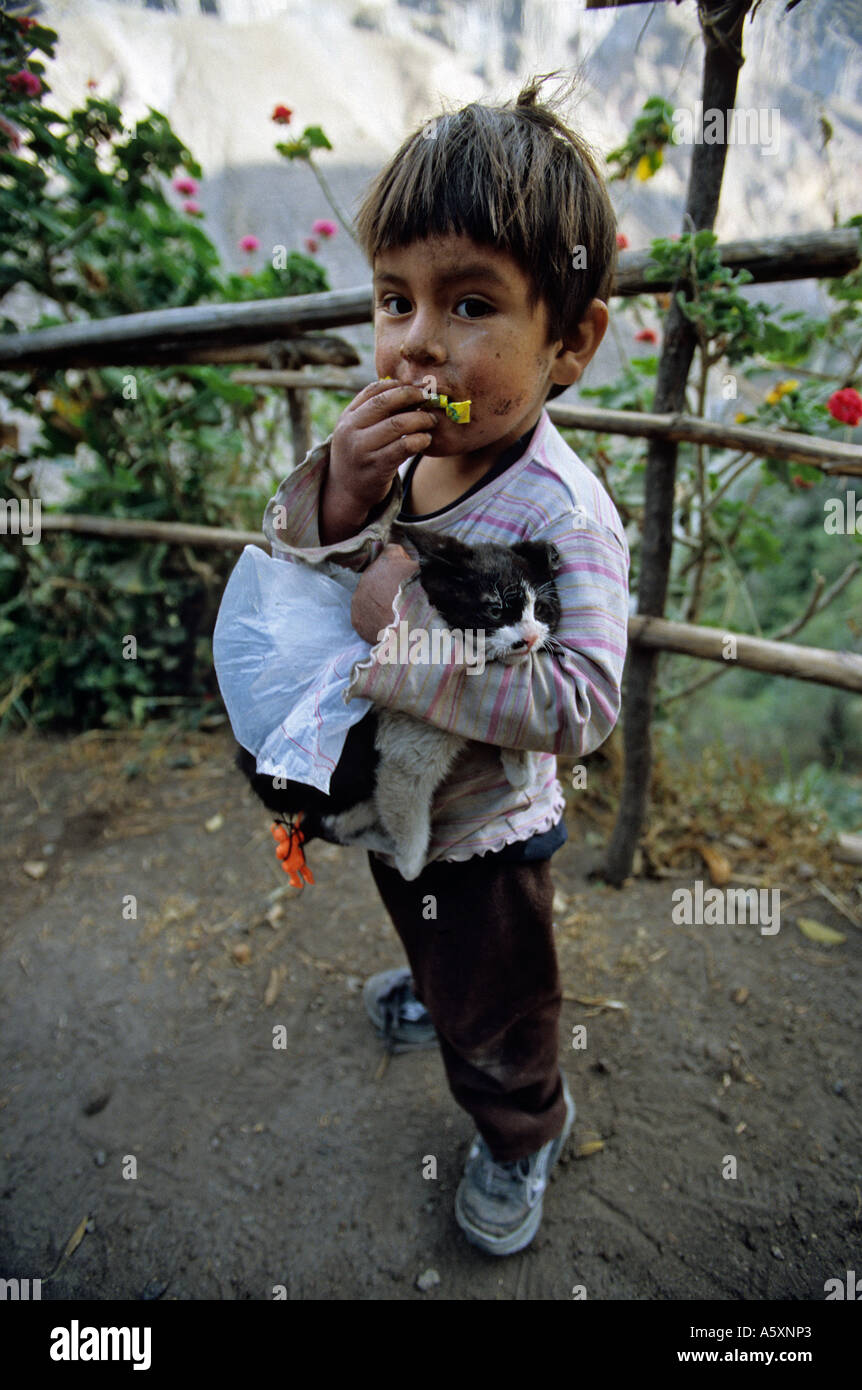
(391, 456)
(372, 440)
(393, 427)
(393, 551)
(372, 389)
(381, 398)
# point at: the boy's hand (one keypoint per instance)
(371, 608)
(380, 428)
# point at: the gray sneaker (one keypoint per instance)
(499, 1205)
(401, 1021)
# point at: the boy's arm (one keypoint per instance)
(563, 701)
(338, 504)
(292, 521)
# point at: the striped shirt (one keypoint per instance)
(562, 702)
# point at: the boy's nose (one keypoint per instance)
(423, 342)
(424, 355)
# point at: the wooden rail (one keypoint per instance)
(840, 669)
(174, 335)
(831, 456)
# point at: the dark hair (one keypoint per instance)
(515, 177)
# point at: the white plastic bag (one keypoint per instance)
(283, 649)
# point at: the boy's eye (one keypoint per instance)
(386, 301)
(485, 308)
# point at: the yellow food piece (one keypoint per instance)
(459, 411)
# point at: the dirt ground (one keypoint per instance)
(151, 1130)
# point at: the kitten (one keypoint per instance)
(392, 764)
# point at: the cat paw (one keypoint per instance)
(517, 777)
(346, 827)
(378, 840)
(517, 770)
(410, 862)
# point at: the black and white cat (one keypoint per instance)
(392, 764)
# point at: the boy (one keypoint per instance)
(499, 212)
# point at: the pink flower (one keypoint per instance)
(310, 244)
(622, 240)
(249, 243)
(186, 186)
(14, 136)
(281, 115)
(646, 335)
(846, 406)
(324, 228)
(26, 82)
(192, 208)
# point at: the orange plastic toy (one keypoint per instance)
(288, 847)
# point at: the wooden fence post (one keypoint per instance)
(299, 405)
(721, 23)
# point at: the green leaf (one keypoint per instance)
(293, 149)
(316, 138)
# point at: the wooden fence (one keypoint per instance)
(282, 335)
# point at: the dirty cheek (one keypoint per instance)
(504, 406)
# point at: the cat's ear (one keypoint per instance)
(431, 545)
(542, 557)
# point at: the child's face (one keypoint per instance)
(450, 309)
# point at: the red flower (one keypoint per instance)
(324, 228)
(310, 244)
(92, 84)
(622, 240)
(646, 335)
(26, 82)
(281, 115)
(801, 482)
(187, 186)
(845, 406)
(25, 24)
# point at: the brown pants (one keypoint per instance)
(486, 971)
